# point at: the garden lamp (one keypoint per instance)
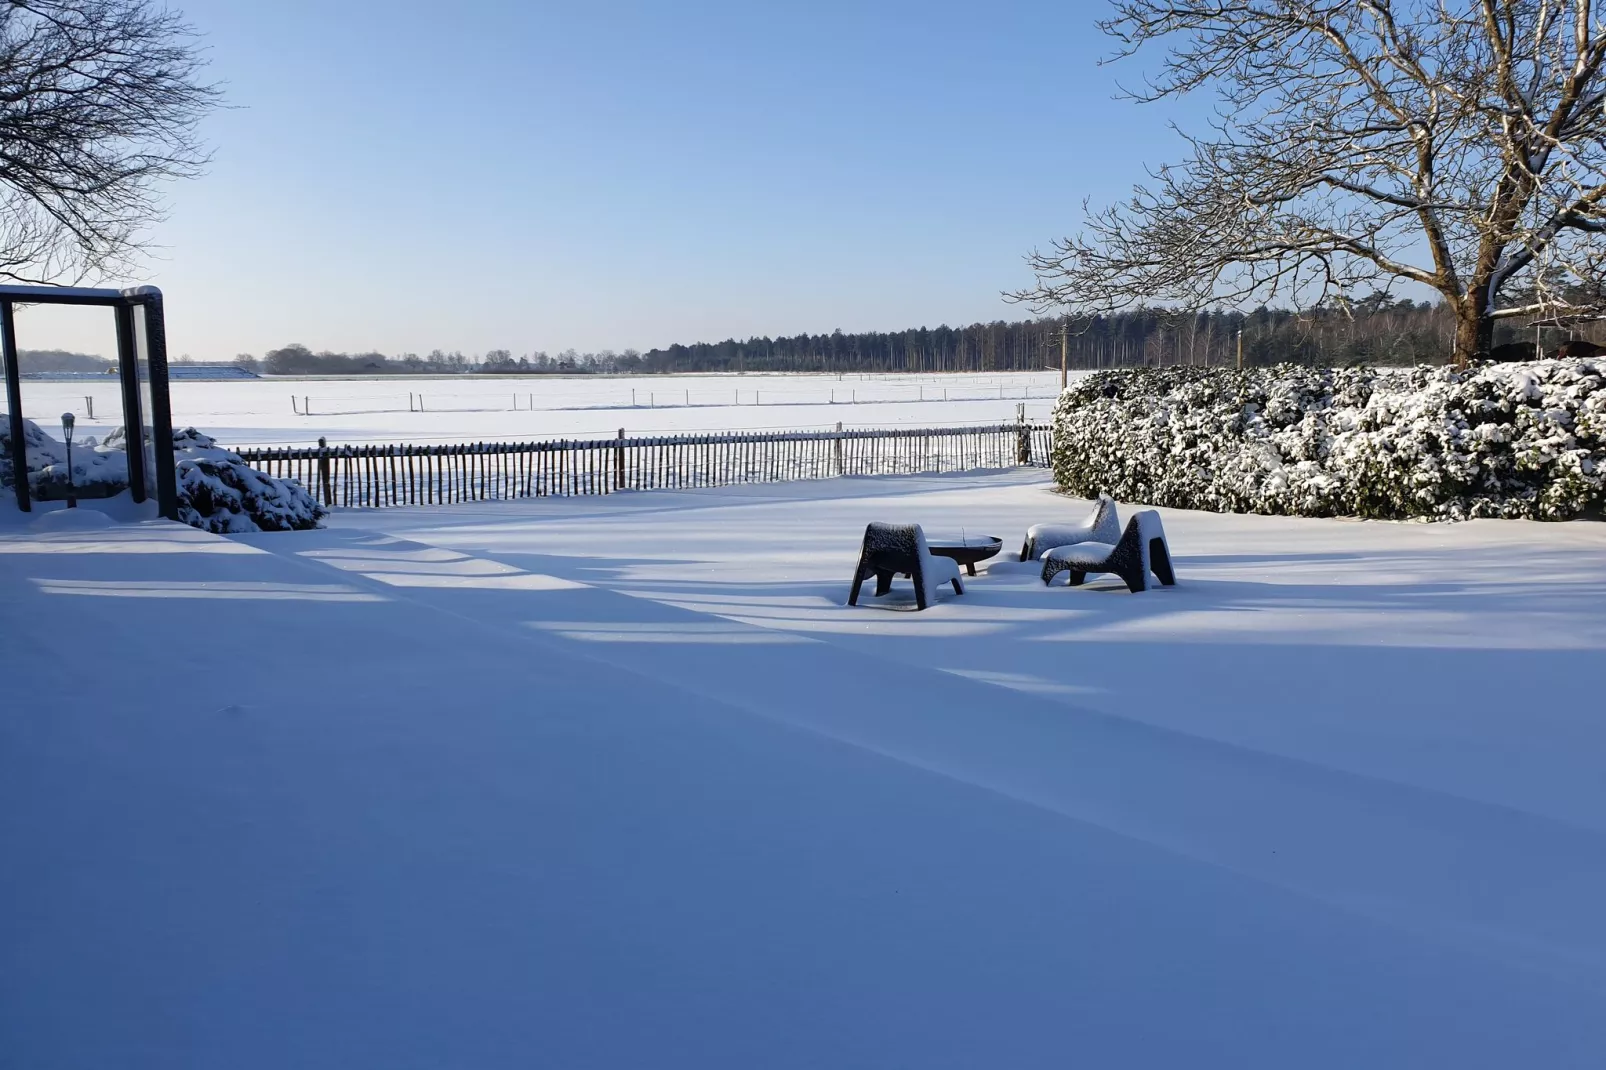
(66, 430)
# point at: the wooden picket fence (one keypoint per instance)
(376, 476)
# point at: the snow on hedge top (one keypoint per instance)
(1503, 440)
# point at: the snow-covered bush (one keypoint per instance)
(217, 490)
(98, 471)
(1502, 440)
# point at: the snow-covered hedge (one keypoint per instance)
(217, 490)
(1501, 440)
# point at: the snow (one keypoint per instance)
(86, 519)
(349, 411)
(216, 490)
(219, 492)
(24, 293)
(1103, 525)
(94, 464)
(621, 782)
(1496, 440)
(936, 573)
(1081, 553)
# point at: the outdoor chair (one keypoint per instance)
(1102, 525)
(900, 549)
(1142, 550)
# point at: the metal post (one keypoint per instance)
(72, 487)
(19, 445)
(133, 423)
(161, 415)
(1240, 349)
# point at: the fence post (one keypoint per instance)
(89, 405)
(323, 471)
(1023, 437)
(619, 462)
(836, 448)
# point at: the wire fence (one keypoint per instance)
(382, 476)
(667, 398)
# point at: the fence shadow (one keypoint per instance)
(1167, 715)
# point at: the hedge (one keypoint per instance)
(1496, 440)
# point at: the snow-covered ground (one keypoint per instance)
(620, 782)
(283, 412)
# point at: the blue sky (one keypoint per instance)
(407, 176)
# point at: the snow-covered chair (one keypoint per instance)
(1142, 550)
(900, 549)
(1103, 524)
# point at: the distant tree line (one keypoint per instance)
(297, 359)
(1380, 331)
(49, 361)
(1377, 330)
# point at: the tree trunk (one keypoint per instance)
(1474, 328)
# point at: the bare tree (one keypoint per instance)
(99, 101)
(1458, 144)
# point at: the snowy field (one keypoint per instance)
(290, 412)
(619, 781)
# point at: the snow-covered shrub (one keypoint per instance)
(97, 470)
(217, 491)
(1501, 440)
(38, 444)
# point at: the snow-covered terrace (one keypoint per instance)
(620, 782)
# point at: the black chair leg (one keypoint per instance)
(1160, 562)
(958, 587)
(853, 595)
(883, 583)
(1077, 578)
(1136, 579)
(1026, 550)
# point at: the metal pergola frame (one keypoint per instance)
(142, 482)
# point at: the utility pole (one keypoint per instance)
(1240, 349)
(1064, 336)
(1065, 330)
